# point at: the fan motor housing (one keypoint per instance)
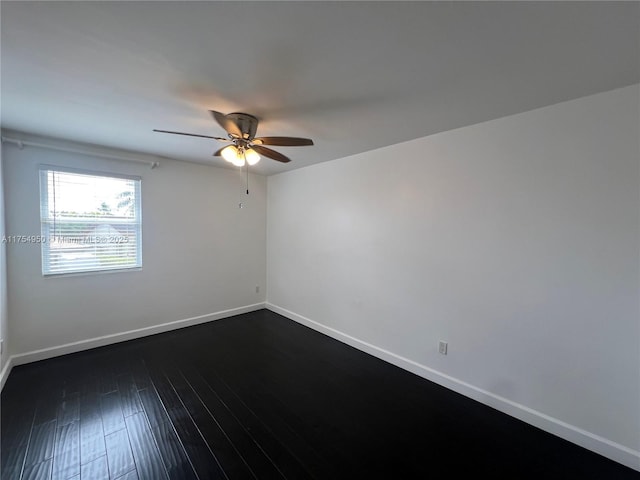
(248, 124)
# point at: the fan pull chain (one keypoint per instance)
(247, 179)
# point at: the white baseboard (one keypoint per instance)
(6, 370)
(607, 448)
(73, 347)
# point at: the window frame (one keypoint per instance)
(43, 172)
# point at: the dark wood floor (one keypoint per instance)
(259, 396)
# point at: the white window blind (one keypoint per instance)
(90, 221)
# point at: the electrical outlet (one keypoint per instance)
(1, 346)
(442, 347)
(257, 288)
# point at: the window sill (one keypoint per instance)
(92, 272)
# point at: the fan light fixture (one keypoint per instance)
(251, 156)
(238, 156)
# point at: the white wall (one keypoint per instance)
(515, 240)
(4, 330)
(201, 254)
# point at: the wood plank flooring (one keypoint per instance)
(258, 396)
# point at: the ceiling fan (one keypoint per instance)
(244, 146)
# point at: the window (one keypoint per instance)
(90, 221)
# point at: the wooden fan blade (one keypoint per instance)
(267, 152)
(229, 126)
(283, 141)
(191, 134)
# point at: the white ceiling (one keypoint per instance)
(353, 76)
